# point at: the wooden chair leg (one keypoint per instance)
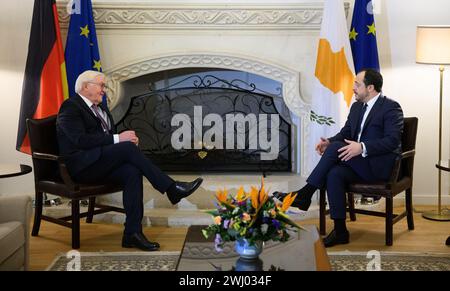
(75, 223)
(409, 208)
(322, 218)
(38, 202)
(91, 208)
(351, 206)
(389, 220)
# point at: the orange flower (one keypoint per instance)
(222, 196)
(254, 194)
(263, 196)
(217, 220)
(287, 201)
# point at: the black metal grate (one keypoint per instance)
(150, 116)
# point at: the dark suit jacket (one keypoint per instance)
(381, 134)
(80, 134)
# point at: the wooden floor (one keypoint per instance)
(366, 233)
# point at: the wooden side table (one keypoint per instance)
(13, 170)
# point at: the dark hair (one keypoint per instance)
(373, 77)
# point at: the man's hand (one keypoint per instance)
(322, 145)
(129, 135)
(351, 150)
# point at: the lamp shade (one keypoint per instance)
(433, 45)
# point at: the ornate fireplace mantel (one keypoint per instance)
(129, 15)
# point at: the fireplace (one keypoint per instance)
(210, 120)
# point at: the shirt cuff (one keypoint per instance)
(364, 153)
(116, 138)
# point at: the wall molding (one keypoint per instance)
(129, 15)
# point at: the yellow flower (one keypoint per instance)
(241, 195)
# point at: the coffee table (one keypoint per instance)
(304, 251)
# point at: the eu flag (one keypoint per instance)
(81, 47)
(363, 37)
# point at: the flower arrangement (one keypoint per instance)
(255, 216)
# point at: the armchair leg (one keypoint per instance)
(75, 223)
(322, 218)
(409, 209)
(91, 209)
(351, 206)
(39, 197)
(389, 220)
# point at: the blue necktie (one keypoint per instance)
(361, 116)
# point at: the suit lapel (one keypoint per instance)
(85, 107)
(373, 111)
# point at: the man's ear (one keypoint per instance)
(371, 88)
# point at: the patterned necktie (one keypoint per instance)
(99, 116)
(361, 116)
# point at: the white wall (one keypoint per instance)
(14, 33)
(414, 86)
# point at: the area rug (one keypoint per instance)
(388, 261)
(167, 261)
(115, 261)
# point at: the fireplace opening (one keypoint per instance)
(210, 120)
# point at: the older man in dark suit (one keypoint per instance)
(94, 152)
(363, 151)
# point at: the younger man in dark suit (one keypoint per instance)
(363, 151)
(94, 152)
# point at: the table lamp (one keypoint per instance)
(433, 48)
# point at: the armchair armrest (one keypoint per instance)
(15, 208)
(43, 156)
(62, 168)
(408, 154)
(398, 163)
(18, 208)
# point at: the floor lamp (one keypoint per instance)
(433, 48)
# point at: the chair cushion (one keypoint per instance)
(11, 238)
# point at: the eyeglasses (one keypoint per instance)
(103, 86)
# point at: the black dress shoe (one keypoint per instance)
(180, 190)
(300, 201)
(138, 240)
(334, 238)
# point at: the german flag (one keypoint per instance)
(45, 82)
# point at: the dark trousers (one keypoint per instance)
(124, 163)
(335, 175)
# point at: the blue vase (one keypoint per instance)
(246, 250)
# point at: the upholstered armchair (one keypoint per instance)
(15, 216)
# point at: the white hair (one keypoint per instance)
(86, 76)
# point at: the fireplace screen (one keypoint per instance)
(203, 123)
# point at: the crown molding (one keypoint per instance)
(114, 15)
